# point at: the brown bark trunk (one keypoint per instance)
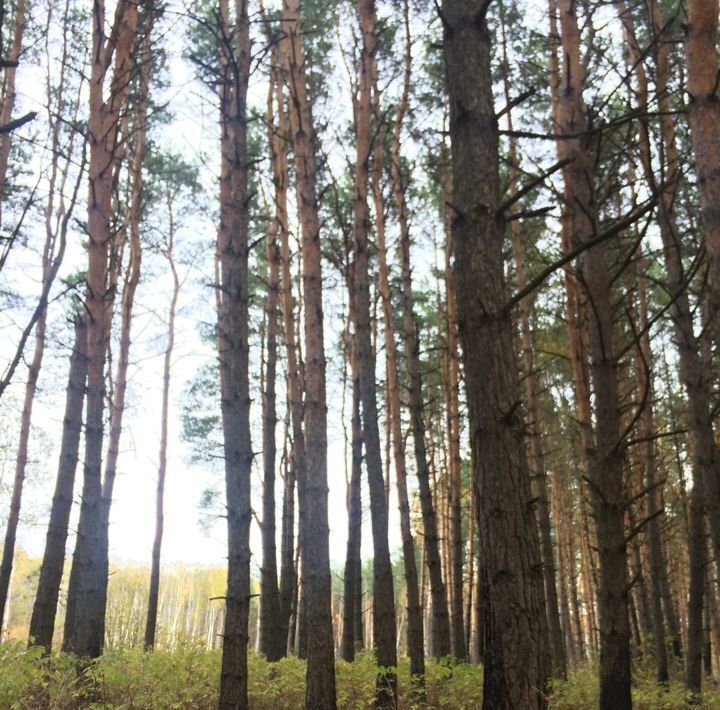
(154, 592)
(42, 622)
(233, 345)
(516, 666)
(320, 687)
(85, 616)
(704, 115)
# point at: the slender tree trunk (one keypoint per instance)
(516, 663)
(152, 611)
(270, 642)
(452, 406)
(296, 468)
(288, 576)
(85, 616)
(440, 619)
(320, 687)
(384, 627)
(349, 644)
(42, 622)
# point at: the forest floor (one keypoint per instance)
(188, 679)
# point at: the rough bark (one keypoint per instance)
(42, 622)
(516, 663)
(233, 345)
(320, 685)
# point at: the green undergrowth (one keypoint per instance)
(188, 679)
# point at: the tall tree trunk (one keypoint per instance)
(604, 458)
(154, 593)
(233, 345)
(452, 407)
(85, 616)
(271, 643)
(320, 686)
(42, 622)
(516, 663)
(384, 628)
(296, 469)
(415, 636)
(288, 576)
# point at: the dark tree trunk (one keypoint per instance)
(351, 643)
(271, 642)
(42, 622)
(516, 662)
